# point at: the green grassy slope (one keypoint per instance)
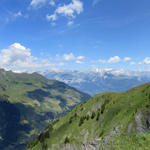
(111, 121)
(32, 101)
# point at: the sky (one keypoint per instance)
(74, 34)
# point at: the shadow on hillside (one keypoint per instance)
(10, 127)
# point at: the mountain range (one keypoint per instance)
(95, 81)
(28, 102)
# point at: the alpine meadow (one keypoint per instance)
(74, 75)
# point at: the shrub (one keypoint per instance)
(66, 140)
(41, 138)
(81, 120)
(55, 121)
(93, 115)
(75, 115)
(70, 120)
(101, 133)
(87, 117)
(44, 145)
(81, 109)
(46, 134)
(97, 118)
(50, 127)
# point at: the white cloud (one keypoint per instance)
(70, 23)
(95, 2)
(51, 17)
(133, 63)
(147, 60)
(52, 2)
(37, 3)
(69, 57)
(18, 14)
(114, 59)
(18, 57)
(79, 62)
(70, 10)
(72, 57)
(127, 59)
(80, 57)
(13, 16)
(76, 6)
(16, 52)
(40, 3)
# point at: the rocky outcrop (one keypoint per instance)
(141, 124)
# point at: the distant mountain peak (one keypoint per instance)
(97, 80)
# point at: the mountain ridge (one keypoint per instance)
(32, 101)
(94, 81)
(110, 120)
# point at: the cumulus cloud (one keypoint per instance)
(114, 59)
(133, 63)
(80, 57)
(51, 17)
(40, 3)
(37, 3)
(15, 53)
(18, 57)
(76, 6)
(147, 60)
(70, 10)
(127, 59)
(13, 16)
(71, 57)
(18, 14)
(70, 23)
(52, 2)
(79, 62)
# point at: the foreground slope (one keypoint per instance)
(107, 121)
(28, 102)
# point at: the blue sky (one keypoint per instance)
(74, 34)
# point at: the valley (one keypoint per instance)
(28, 102)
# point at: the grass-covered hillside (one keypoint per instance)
(109, 121)
(28, 102)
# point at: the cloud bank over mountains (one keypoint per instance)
(19, 58)
(99, 80)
